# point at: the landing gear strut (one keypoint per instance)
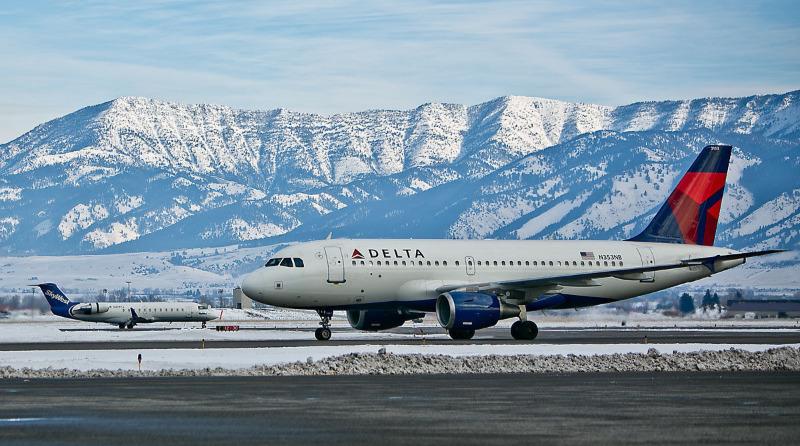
(323, 333)
(524, 330)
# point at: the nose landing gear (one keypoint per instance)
(323, 333)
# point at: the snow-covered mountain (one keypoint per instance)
(138, 174)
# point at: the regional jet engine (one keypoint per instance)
(89, 308)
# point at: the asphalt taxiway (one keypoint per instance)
(414, 336)
(585, 408)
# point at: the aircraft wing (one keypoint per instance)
(136, 318)
(587, 279)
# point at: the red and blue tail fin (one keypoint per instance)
(691, 212)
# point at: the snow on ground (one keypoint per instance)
(20, 331)
(49, 328)
(145, 270)
(549, 217)
(178, 331)
(238, 358)
(196, 268)
(269, 314)
(262, 325)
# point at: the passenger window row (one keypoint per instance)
(286, 261)
(565, 263)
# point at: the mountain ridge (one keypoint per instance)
(115, 175)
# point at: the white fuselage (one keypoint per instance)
(409, 272)
(120, 312)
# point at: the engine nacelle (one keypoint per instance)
(467, 310)
(374, 320)
(90, 308)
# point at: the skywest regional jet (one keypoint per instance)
(125, 314)
(472, 284)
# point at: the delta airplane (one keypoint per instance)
(126, 314)
(472, 284)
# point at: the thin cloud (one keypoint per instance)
(335, 57)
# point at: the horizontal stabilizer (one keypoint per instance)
(709, 262)
(740, 255)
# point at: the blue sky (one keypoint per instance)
(330, 57)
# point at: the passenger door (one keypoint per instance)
(470, 264)
(335, 264)
(648, 259)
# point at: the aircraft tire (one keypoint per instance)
(515, 330)
(121, 326)
(461, 333)
(524, 330)
(322, 334)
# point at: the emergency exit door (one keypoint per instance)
(470, 264)
(335, 264)
(647, 260)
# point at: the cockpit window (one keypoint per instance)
(287, 262)
(298, 263)
(273, 262)
(202, 307)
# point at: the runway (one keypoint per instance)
(437, 336)
(591, 408)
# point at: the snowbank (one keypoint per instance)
(389, 363)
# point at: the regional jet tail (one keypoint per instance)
(125, 314)
(472, 284)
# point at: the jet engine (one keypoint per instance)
(471, 311)
(90, 308)
(375, 320)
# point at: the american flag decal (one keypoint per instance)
(587, 255)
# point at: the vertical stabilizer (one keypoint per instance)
(691, 212)
(59, 302)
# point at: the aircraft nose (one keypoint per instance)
(251, 285)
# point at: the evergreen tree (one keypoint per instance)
(706, 303)
(686, 304)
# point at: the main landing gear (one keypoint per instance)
(524, 330)
(461, 333)
(323, 333)
(124, 326)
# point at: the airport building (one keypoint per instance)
(764, 308)
(240, 300)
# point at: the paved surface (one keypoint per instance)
(487, 336)
(623, 408)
